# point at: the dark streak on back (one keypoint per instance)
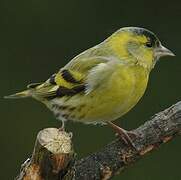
(67, 76)
(63, 91)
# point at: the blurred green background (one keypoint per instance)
(38, 37)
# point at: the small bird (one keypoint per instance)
(104, 82)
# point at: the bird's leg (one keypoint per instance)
(125, 135)
(62, 128)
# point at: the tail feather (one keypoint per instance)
(23, 94)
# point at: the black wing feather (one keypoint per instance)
(63, 91)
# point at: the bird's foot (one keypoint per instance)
(126, 136)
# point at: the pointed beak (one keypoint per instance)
(162, 51)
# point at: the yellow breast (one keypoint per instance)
(116, 96)
(113, 98)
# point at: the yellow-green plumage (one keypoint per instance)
(115, 95)
(104, 82)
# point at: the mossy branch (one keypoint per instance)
(53, 157)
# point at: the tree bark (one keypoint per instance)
(52, 155)
(51, 161)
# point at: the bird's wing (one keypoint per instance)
(94, 69)
(63, 83)
(79, 76)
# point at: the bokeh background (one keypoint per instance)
(37, 37)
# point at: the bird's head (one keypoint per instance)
(139, 45)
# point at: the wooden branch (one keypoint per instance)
(51, 157)
(109, 161)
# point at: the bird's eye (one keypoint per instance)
(149, 44)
